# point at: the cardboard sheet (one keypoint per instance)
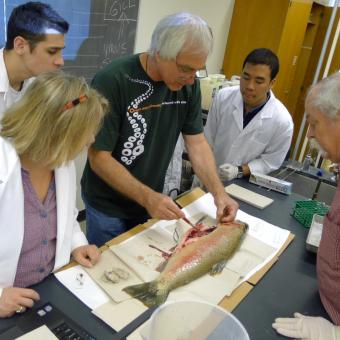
(118, 315)
(263, 239)
(231, 302)
(115, 314)
(138, 252)
(144, 260)
(258, 250)
(112, 275)
(87, 290)
(41, 332)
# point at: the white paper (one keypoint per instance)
(262, 242)
(136, 252)
(109, 261)
(260, 229)
(204, 205)
(260, 245)
(40, 333)
(118, 315)
(88, 292)
(265, 232)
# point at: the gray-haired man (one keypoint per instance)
(154, 96)
(323, 115)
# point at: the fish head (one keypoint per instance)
(244, 226)
(236, 224)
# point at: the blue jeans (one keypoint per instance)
(101, 228)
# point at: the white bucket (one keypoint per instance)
(193, 320)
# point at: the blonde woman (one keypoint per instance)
(41, 134)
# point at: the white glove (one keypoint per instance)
(307, 328)
(227, 172)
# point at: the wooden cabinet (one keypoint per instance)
(279, 25)
(289, 28)
(310, 55)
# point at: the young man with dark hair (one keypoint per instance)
(263, 56)
(35, 39)
(248, 128)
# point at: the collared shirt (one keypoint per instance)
(37, 255)
(328, 261)
(247, 117)
(8, 95)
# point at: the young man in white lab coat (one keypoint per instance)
(35, 39)
(248, 128)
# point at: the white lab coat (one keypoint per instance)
(264, 142)
(7, 95)
(69, 234)
(174, 172)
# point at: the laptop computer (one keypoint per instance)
(49, 315)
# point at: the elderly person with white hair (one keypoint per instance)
(323, 115)
(154, 96)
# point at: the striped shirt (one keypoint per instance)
(37, 254)
(328, 261)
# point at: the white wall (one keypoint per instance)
(217, 13)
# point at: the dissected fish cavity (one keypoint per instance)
(199, 252)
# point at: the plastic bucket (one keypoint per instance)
(193, 320)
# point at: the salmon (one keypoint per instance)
(205, 254)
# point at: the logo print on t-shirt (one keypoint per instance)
(134, 146)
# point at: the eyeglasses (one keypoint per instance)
(186, 69)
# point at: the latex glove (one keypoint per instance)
(227, 172)
(87, 255)
(306, 327)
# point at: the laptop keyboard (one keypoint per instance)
(65, 331)
(58, 323)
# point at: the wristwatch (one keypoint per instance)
(240, 172)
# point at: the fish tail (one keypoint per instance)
(148, 293)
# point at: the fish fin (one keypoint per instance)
(148, 293)
(218, 267)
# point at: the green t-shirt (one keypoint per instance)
(141, 131)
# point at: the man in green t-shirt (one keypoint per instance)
(153, 96)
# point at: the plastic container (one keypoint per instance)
(207, 86)
(193, 320)
(307, 163)
(304, 211)
(218, 79)
(314, 234)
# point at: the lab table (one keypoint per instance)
(289, 286)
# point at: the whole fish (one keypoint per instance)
(205, 254)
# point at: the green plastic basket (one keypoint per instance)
(304, 211)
